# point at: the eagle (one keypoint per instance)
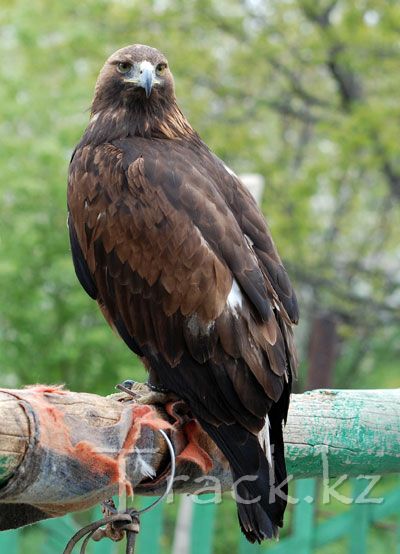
(174, 249)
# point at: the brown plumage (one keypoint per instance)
(178, 256)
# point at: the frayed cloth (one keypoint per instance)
(83, 449)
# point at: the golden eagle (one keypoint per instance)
(177, 254)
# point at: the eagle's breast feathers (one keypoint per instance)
(180, 254)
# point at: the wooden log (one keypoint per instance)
(330, 432)
(352, 432)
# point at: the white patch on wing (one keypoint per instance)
(276, 306)
(286, 376)
(230, 171)
(263, 439)
(94, 118)
(235, 298)
(197, 327)
(116, 114)
(152, 351)
(249, 241)
(203, 241)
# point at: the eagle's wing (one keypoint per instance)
(186, 272)
(254, 226)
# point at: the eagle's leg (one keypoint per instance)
(157, 388)
(147, 393)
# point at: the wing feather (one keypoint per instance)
(161, 241)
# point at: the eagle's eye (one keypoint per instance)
(161, 67)
(124, 67)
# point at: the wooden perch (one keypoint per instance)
(62, 451)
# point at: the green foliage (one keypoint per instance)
(256, 80)
(256, 85)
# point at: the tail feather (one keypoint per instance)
(259, 515)
(265, 440)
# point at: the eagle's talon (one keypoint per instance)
(156, 397)
(144, 393)
(128, 383)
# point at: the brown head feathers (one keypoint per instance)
(135, 96)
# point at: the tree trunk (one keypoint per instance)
(323, 350)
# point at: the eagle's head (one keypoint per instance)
(134, 96)
(134, 75)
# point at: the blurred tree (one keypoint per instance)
(304, 92)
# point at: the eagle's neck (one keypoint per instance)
(142, 119)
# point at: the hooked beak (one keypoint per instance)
(144, 76)
(146, 79)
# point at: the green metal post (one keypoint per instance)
(360, 520)
(9, 542)
(58, 532)
(398, 533)
(203, 525)
(302, 539)
(398, 525)
(245, 547)
(151, 525)
(303, 517)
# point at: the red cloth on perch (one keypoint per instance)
(74, 461)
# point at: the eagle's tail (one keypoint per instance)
(260, 507)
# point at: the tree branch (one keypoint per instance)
(63, 451)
